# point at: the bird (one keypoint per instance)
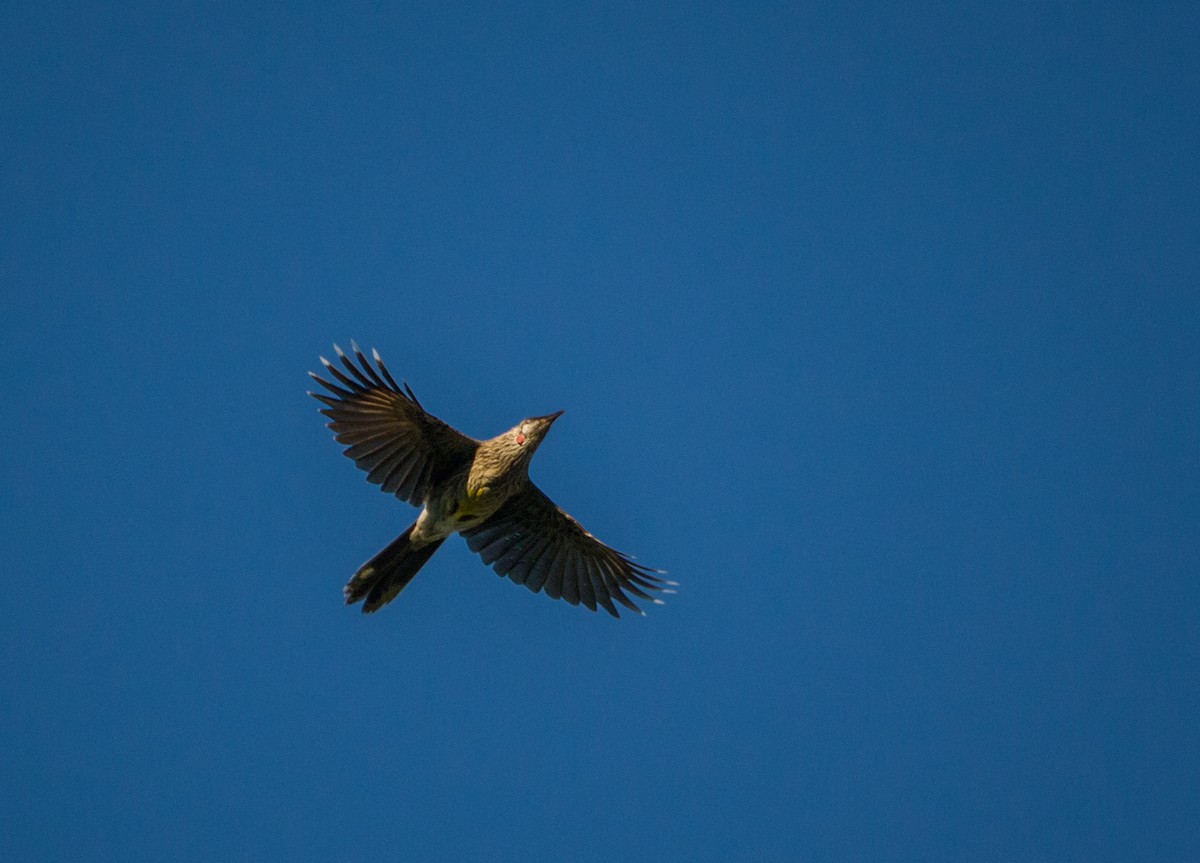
(479, 489)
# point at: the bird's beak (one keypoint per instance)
(550, 418)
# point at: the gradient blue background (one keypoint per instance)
(877, 326)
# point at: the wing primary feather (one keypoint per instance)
(363, 448)
(424, 479)
(612, 575)
(617, 574)
(480, 536)
(598, 590)
(410, 487)
(520, 568)
(554, 576)
(512, 561)
(351, 426)
(367, 368)
(616, 583)
(634, 578)
(363, 380)
(642, 567)
(382, 368)
(377, 474)
(355, 387)
(620, 597)
(626, 584)
(398, 474)
(645, 575)
(535, 580)
(587, 587)
(570, 580)
(329, 400)
(497, 547)
(512, 553)
(336, 390)
(485, 543)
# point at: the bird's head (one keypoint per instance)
(516, 446)
(521, 441)
(527, 435)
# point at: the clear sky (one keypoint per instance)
(877, 325)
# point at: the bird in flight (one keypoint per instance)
(480, 489)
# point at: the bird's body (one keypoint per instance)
(480, 489)
(465, 499)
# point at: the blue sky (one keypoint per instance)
(876, 326)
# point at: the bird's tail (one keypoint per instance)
(381, 578)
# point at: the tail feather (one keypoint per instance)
(380, 579)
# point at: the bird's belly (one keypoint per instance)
(471, 509)
(457, 509)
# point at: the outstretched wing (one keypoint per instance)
(388, 434)
(536, 544)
